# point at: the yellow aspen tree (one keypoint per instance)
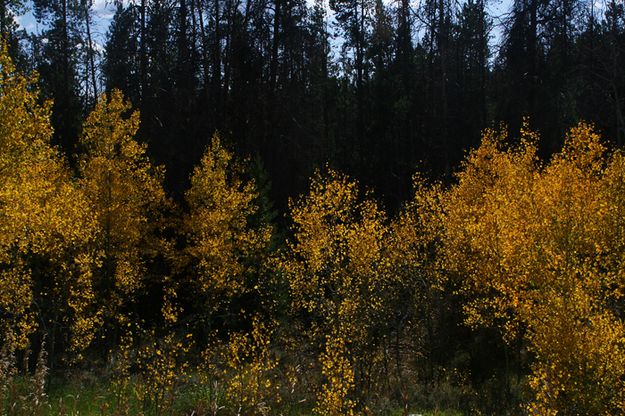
(540, 251)
(480, 233)
(417, 282)
(45, 223)
(250, 373)
(584, 372)
(125, 191)
(338, 274)
(225, 253)
(225, 266)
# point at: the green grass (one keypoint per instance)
(89, 395)
(73, 398)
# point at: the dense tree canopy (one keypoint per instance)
(169, 220)
(375, 88)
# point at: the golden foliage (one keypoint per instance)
(150, 367)
(249, 370)
(536, 248)
(126, 194)
(223, 250)
(334, 397)
(163, 366)
(224, 259)
(338, 273)
(45, 221)
(540, 251)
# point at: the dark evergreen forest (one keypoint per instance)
(376, 89)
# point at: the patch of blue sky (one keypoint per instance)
(102, 13)
(104, 10)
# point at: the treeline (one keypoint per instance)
(501, 293)
(374, 87)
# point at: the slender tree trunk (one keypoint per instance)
(616, 70)
(227, 62)
(90, 52)
(271, 109)
(325, 92)
(204, 42)
(3, 18)
(444, 112)
(183, 43)
(193, 34)
(275, 43)
(532, 52)
(216, 80)
(483, 44)
(65, 41)
(143, 56)
(360, 19)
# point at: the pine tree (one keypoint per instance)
(58, 65)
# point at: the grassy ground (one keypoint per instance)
(85, 395)
(74, 400)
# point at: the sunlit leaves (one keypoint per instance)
(533, 248)
(224, 250)
(45, 221)
(337, 272)
(539, 250)
(126, 194)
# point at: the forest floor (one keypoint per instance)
(88, 397)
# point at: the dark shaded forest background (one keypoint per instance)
(377, 89)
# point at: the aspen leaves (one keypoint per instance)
(539, 249)
(533, 248)
(223, 250)
(336, 270)
(44, 221)
(126, 195)
(77, 248)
